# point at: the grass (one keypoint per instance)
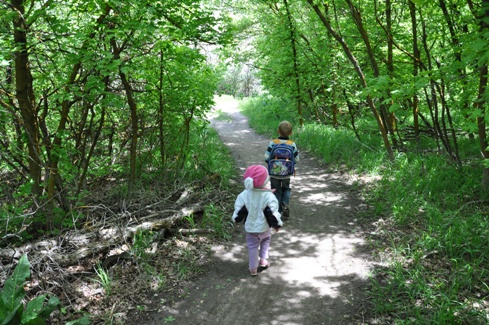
(208, 158)
(435, 234)
(104, 279)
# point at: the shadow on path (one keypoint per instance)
(319, 271)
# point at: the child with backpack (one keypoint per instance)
(281, 157)
(257, 207)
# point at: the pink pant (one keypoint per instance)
(258, 245)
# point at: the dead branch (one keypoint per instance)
(190, 231)
(90, 242)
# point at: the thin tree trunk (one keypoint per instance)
(24, 93)
(86, 160)
(481, 98)
(431, 98)
(134, 119)
(390, 68)
(416, 59)
(54, 176)
(295, 63)
(161, 112)
(57, 143)
(358, 69)
(334, 104)
(388, 122)
(352, 116)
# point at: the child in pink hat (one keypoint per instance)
(257, 207)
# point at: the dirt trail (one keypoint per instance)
(319, 267)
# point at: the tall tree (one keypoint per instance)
(416, 59)
(81, 82)
(481, 15)
(25, 95)
(293, 46)
(323, 16)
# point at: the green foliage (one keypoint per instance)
(266, 112)
(104, 279)
(84, 124)
(12, 310)
(217, 219)
(141, 242)
(440, 242)
(339, 147)
(432, 217)
(85, 129)
(85, 320)
(336, 146)
(207, 156)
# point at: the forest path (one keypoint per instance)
(319, 263)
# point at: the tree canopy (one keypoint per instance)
(91, 88)
(95, 92)
(418, 67)
(94, 87)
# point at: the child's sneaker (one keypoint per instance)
(264, 264)
(285, 211)
(253, 272)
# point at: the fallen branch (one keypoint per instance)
(94, 242)
(190, 231)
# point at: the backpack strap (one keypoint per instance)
(277, 141)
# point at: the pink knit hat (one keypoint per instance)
(256, 173)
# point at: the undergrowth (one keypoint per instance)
(154, 263)
(429, 219)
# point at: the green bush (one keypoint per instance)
(434, 236)
(37, 311)
(12, 310)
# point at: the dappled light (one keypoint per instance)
(123, 149)
(318, 269)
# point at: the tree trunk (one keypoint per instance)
(391, 117)
(431, 99)
(359, 72)
(57, 144)
(26, 98)
(481, 98)
(416, 59)
(134, 119)
(161, 112)
(296, 65)
(387, 120)
(86, 161)
(54, 176)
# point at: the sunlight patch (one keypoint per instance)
(321, 198)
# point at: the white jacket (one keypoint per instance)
(256, 200)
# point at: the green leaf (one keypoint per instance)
(85, 320)
(13, 316)
(53, 304)
(13, 290)
(33, 309)
(13, 293)
(3, 310)
(420, 2)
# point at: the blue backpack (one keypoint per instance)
(281, 161)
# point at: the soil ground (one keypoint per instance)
(319, 260)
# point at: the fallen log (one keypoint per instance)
(77, 246)
(174, 231)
